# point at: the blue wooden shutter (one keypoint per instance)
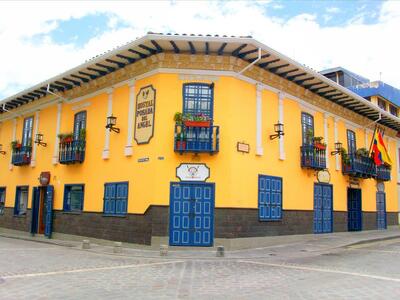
(121, 199)
(270, 197)
(109, 198)
(49, 211)
(17, 199)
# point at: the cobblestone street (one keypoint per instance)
(32, 270)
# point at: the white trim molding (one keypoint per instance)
(57, 139)
(259, 147)
(326, 138)
(106, 150)
(14, 137)
(335, 121)
(34, 145)
(282, 154)
(129, 138)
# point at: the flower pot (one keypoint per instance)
(180, 145)
(67, 140)
(319, 146)
(197, 123)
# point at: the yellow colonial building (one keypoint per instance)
(193, 138)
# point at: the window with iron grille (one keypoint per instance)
(351, 142)
(307, 128)
(21, 200)
(73, 197)
(198, 99)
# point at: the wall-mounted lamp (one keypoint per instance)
(278, 127)
(338, 148)
(111, 122)
(1, 150)
(39, 140)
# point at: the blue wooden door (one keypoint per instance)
(35, 210)
(381, 210)
(323, 212)
(191, 214)
(354, 213)
(269, 198)
(48, 229)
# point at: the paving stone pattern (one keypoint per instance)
(31, 270)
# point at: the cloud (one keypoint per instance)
(366, 49)
(333, 10)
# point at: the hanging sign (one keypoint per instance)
(145, 107)
(193, 172)
(323, 176)
(44, 178)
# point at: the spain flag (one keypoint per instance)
(379, 151)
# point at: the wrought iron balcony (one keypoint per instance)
(21, 156)
(72, 152)
(358, 166)
(196, 139)
(313, 157)
(383, 173)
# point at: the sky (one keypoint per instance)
(39, 40)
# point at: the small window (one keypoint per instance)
(393, 110)
(269, 198)
(115, 198)
(351, 142)
(21, 201)
(382, 104)
(79, 125)
(73, 197)
(307, 128)
(27, 132)
(2, 199)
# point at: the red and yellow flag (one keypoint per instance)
(379, 151)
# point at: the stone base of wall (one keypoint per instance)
(229, 223)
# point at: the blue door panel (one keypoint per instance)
(191, 214)
(354, 209)
(269, 197)
(35, 210)
(48, 229)
(381, 210)
(323, 214)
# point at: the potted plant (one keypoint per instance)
(82, 134)
(197, 120)
(180, 141)
(16, 145)
(318, 144)
(178, 118)
(345, 160)
(66, 137)
(362, 152)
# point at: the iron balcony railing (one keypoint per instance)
(383, 173)
(196, 139)
(358, 166)
(312, 157)
(21, 156)
(72, 152)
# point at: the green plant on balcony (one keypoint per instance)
(193, 120)
(16, 145)
(318, 144)
(82, 134)
(181, 140)
(66, 137)
(362, 152)
(178, 118)
(345, 158)
(309, 136)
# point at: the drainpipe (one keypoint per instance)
(250, 65)
(380, 118)
(54, 94)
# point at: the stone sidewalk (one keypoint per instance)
(285, 244)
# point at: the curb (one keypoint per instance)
(373, 240)
(27, 238)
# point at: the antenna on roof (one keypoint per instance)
(380, 76)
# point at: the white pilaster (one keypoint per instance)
(282, 154)
(326, 138)
(34, 145)
(106, 150)
(57, 140)
(259, 147)
(14, 137)
(366, 138)
(336, 140)
(129, 138)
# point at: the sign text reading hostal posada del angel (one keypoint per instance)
(145, 107)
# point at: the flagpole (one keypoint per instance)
(372, 140)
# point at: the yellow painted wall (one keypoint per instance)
(235, 174)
